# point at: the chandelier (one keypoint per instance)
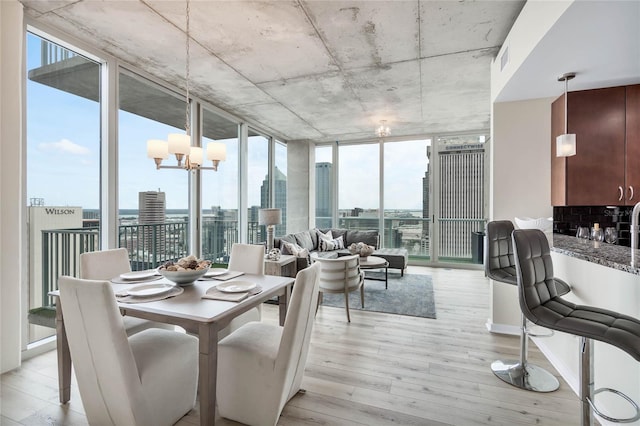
(383, 130)
(180, 144)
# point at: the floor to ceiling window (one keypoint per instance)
(62, 171)
(153, 204)
(324, 186)
(220, 190)
(407, 215)
(433, 198)
(359, 186)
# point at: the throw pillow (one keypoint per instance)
(329, 245)
(291, 248)
(322, 236)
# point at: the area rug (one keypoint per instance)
(410, 295)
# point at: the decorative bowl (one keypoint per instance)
(183, 278)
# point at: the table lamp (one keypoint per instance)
(269, 218)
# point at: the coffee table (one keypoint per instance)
(375, 262)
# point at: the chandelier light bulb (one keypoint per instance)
(383, 130)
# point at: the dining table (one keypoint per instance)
(199, 316)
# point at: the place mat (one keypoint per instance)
(223, 277)
(118, 280)
(137, 299)
(215, 294)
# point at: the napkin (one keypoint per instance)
(215, 294)
(123, 296)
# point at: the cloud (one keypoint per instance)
(65, 146)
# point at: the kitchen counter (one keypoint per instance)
(610, 255)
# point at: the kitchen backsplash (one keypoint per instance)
(566, 220)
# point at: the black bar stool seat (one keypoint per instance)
(542, 305)
(500, 266)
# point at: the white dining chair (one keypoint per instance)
(147, 379)
(247, 258)
(341, 275)
(107, 264)
(260, 365)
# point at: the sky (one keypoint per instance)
(63, 159)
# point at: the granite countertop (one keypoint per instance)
(610, 255)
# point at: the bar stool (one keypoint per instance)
(499, 265)
(541, 304)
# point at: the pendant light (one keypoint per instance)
(566, 143)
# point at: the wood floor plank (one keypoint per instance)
(380, 369)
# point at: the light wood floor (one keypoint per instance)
(381, 369)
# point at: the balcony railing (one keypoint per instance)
(153, 244)
(414, 234)
(148, 245)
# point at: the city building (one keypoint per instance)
(152, 207)
(324, 199)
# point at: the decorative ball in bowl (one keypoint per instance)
(361, 249)
(366, 251)
(185, 271)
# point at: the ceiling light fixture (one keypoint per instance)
(180, 144)
(566, 143)
(383, 130)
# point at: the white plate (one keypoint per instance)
(236, 286)
(139, 275)
(150, 289)
(213, 272)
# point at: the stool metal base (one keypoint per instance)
(525, 376)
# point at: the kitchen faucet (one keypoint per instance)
(634, 233)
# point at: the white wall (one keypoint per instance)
(520, 183)
(11, 200)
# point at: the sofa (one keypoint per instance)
(309, 241)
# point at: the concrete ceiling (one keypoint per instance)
(310, 70)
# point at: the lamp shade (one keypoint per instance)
(566, 145)
(269, 217)
(179, 143)
(195, 155)
(157, 148)
(216, 151)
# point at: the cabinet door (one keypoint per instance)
(595, 174)
(632, 166)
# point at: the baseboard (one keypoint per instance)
(502, 328)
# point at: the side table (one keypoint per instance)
(284, 267)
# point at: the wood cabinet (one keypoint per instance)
(602, 171)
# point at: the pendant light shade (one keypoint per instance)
(566, 143)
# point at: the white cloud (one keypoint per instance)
(65, 146)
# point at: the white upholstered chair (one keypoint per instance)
(149, 378)
(107, 264)
(247, 258)
(260, 366)
(341, 275)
